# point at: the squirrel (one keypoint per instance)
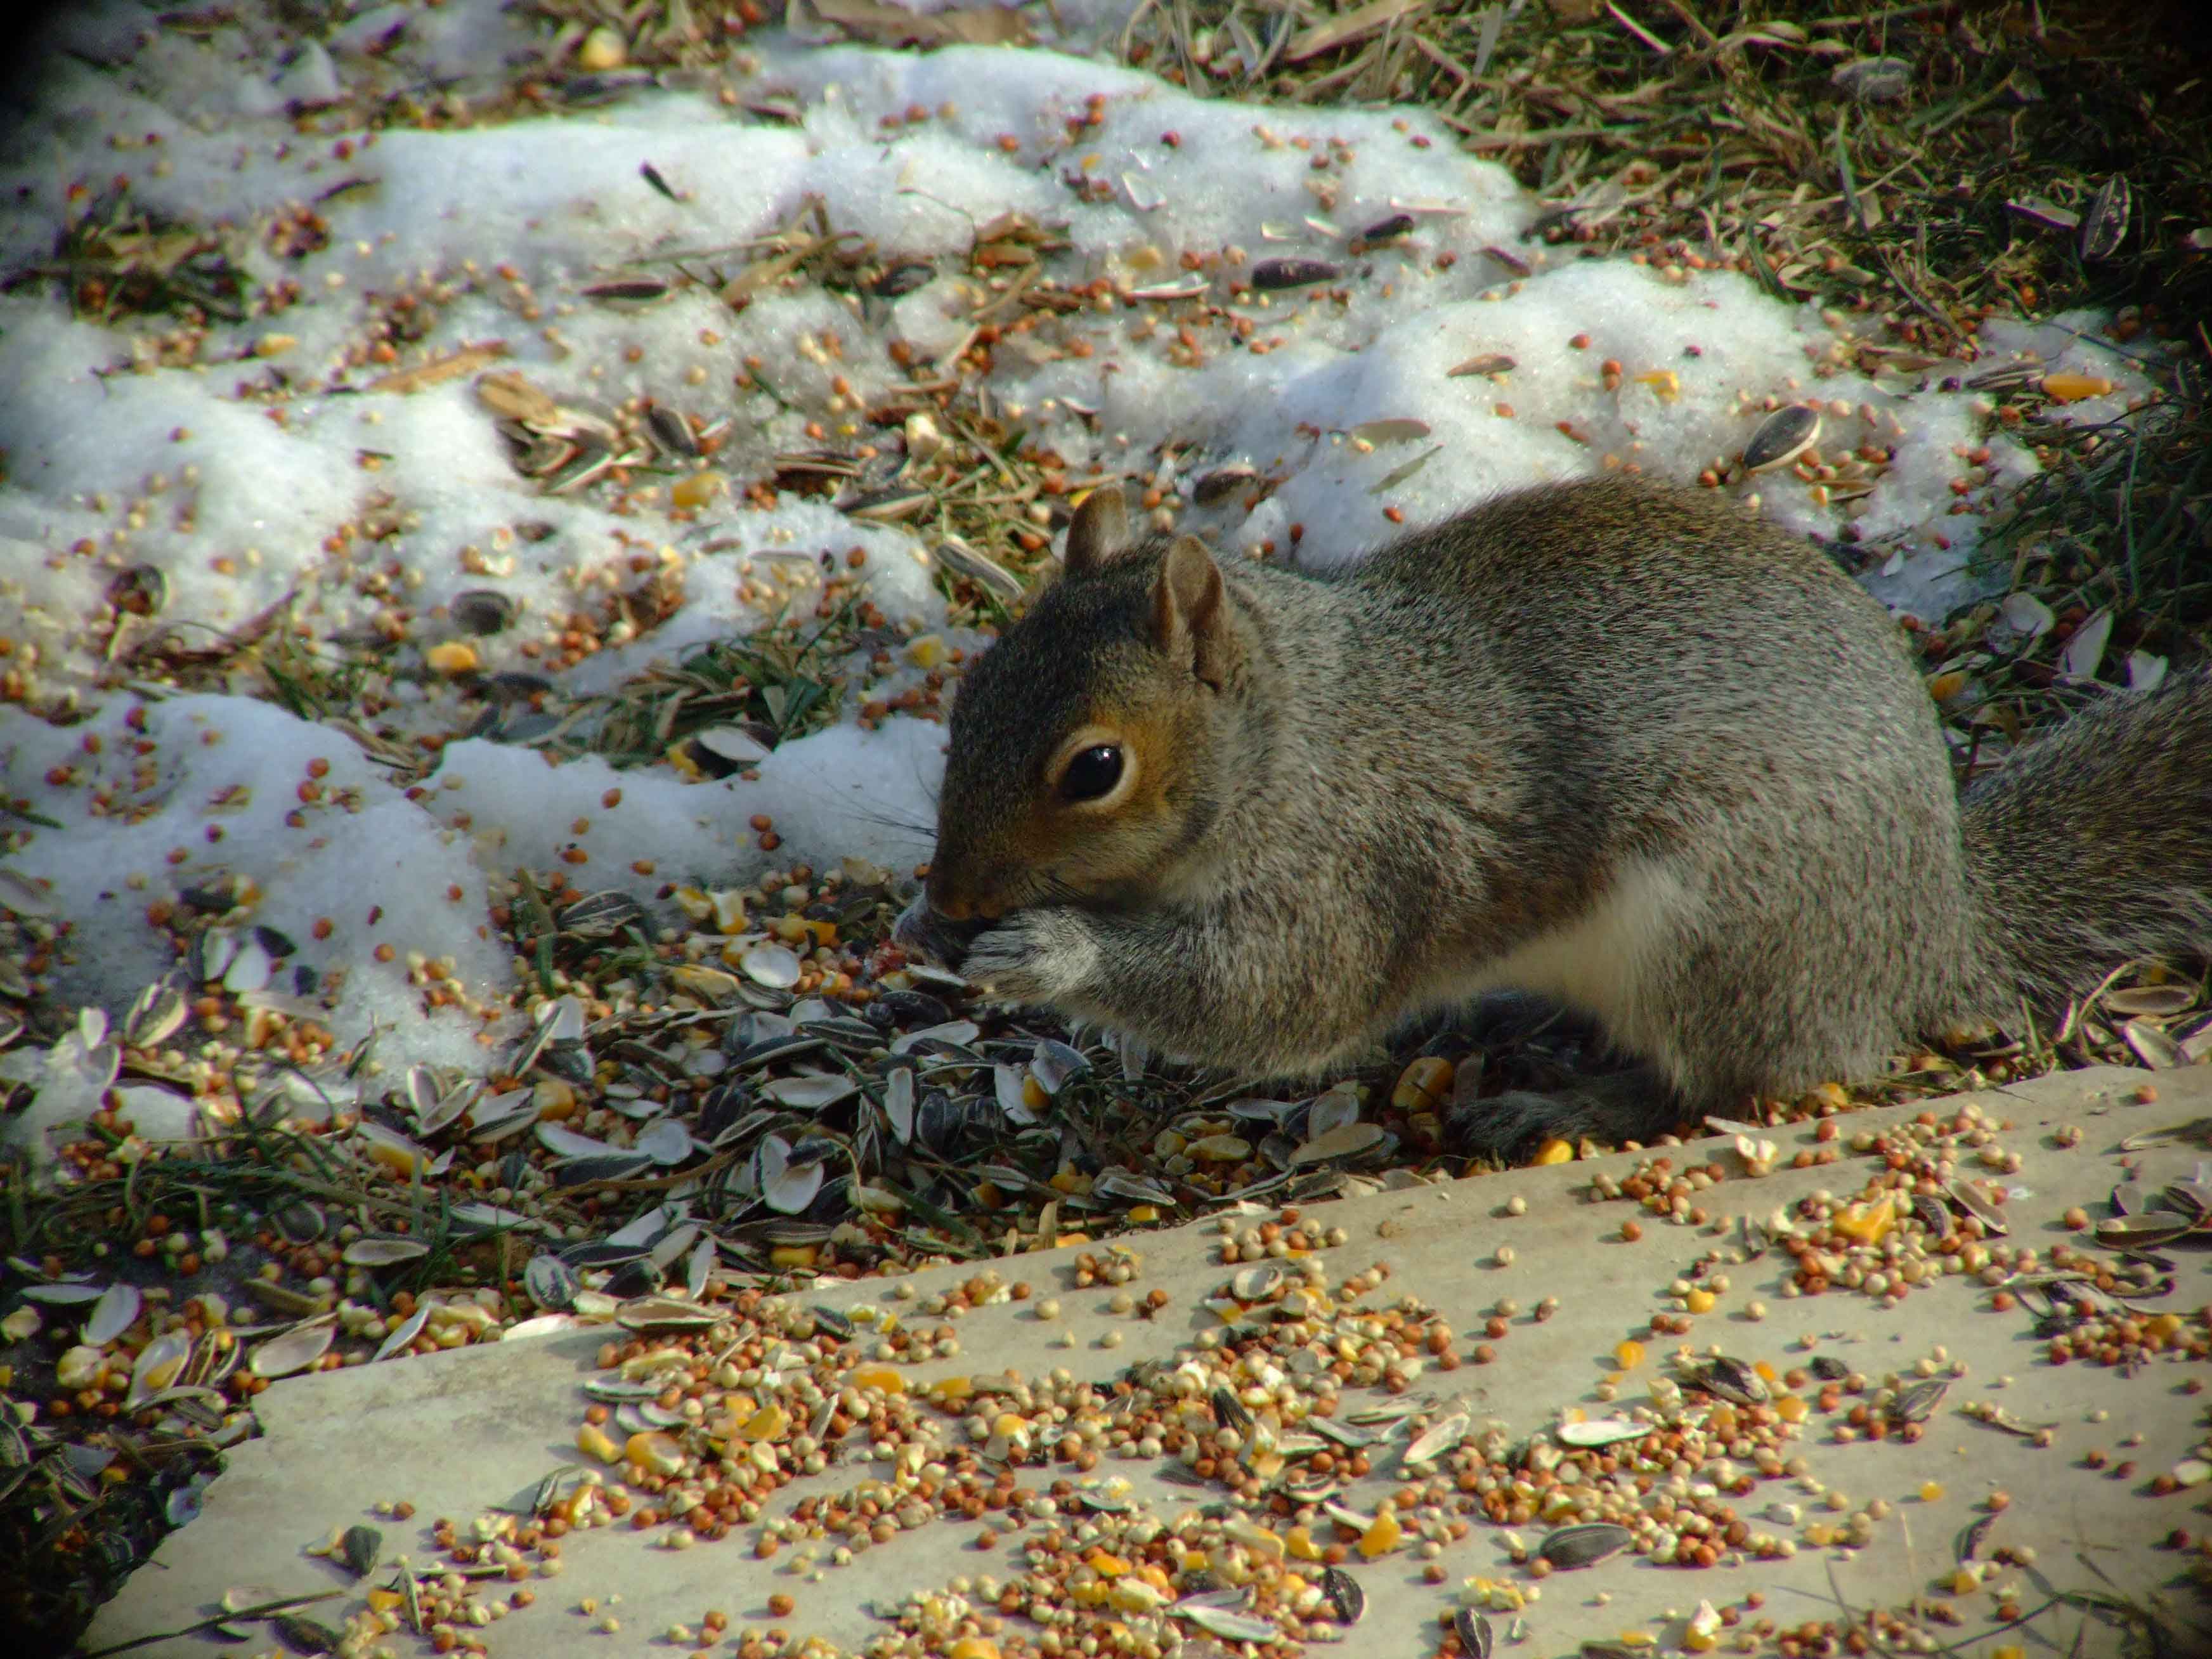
(1604, 742)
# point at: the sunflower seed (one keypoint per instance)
(1727, 1379)
(962, 560)
(734, 743)
(1782, 437)
(775, 966)
(1055, 1064)
(787, 1185)
(952, 1034)
(1917, 1403)
(444, 1113)
(665, 1141)
(2105, 223)
(1601, 1432)
(888, 504)
(634, 290)
(1226, 1623)
(2154, 1000)
(1274, 274)
(1008, 1087)
(1182, 288)
(1585, 1546)
(2198, 1129)
(1221, 482)
(1256, 1283)
(2151, 1045)
(665, 1313)
(396, 1340)
(2081, 656)
(116, 1312)
(1963, 1195)
(812, 1093)
(23, 896)
(671, 431)
(1475, 1640)
(377, 1252)
(1379, 433)
(482, 611)
(551, 1283)
(497, 1116)
(303, 1635)
(158, 1014)
(1971, 1539)
(2045, 215)
(2142, 1232)
(212, 953)
(1437, 1441)
(1229, 1411)
(1345, 1599)
(2190, 1198)
(294, 1350)
(159, 1364)
(899, 1103)
(361, 1547)
(1488, 362)
(1346, 1141)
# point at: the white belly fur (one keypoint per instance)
(1600, 963)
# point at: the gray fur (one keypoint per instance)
(1606, 741)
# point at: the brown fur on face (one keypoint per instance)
(1160, 686)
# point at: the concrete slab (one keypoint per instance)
(460, 1434)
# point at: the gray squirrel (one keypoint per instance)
(1605, 742)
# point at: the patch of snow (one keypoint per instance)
(275, 479)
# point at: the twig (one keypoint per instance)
(1638, 30)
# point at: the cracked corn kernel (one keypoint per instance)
(769, 1423)
(1423, 1084)
(2065, 387)
(696, 489)
(1867, 1223)
(653, 1452)
(1628, 1355)
(1381, 1536)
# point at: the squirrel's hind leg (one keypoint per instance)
(1635, 1105)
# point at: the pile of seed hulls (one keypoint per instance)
(758, 1093)
(746, 1090)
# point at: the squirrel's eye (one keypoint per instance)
(1091, 774)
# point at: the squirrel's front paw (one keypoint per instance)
(1044, 955)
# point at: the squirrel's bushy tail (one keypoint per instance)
(2094, 845)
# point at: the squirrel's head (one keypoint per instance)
(1085, 742)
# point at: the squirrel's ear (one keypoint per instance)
(1190, 612)
(1099, 532)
